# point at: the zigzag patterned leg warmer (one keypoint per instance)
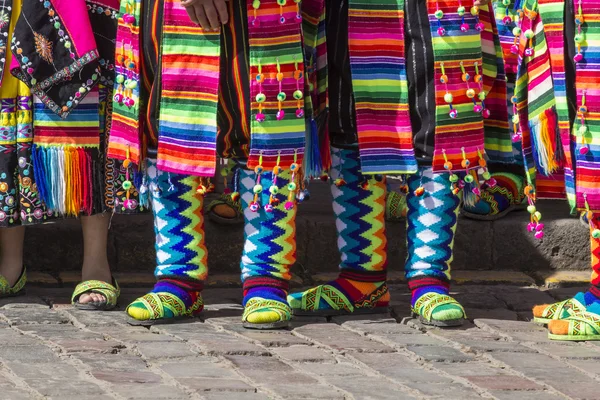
(269, 251)
(431, 225)
(359, 206)
(181, 254)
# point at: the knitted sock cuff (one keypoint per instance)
(364, 276)
(595, 290)
(261, 281)
(423, 281)
(193, 286)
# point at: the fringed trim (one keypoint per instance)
(65, 179)
(546, 147)
(312, 158)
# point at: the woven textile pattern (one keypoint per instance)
(376, 49)
(359, 214)
(270, 237)
(431, 225)
(277, 123)
(179, 226)
(190, 82)
(125, 130)
(595, 248)
(588, 85)
(551, 13)
(465, 132)
(498, 144)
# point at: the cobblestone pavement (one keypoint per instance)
(51, 350)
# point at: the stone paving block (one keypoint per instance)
(150, 391)
(475, 300)
(331, 369)
(54, 370)
(203, 385)
(123, 378)
(555, 279)
(521, 299)
(90, 346)
(525, 395)
(197, 367)
(309, 354)
(574, 351)
(17, 316)
(14, 338)
(420, 339)
(591, 366)
(503, 382)
(439, 353)
(30, 354)
(96, 319)
(114, 362)
(400, 368)
(281, 378)
(210, 341)
(471, 368)
(238, 396)
(492, 277)
(159, 350)
(55, 388)
(23, 302)
(369, 388)
(278, 338)
(59, 332)
(586, 390)
(338, 338)
(497, 313)
(446, 391)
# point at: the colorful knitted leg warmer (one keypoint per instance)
(181, 254)
(431, 224)
(582, 301)
(359, 206)
(269, 250)
(497, 201)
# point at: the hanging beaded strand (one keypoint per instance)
(470, 93)
(257, 189)
(507, 18)
(479, 26)
(464, 27)
(255, 7)
(292, 186)
(485, 113)
(281, 95)
(298, 93)
(281, 4)
(274, 189)
(579, 36)
(260, 97)
(448, 98)
(583, 129)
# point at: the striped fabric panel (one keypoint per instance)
(498, 143)
(275, 39)
(188, 107)
(587, 71)
(80, 129)
(376, 47)
(552, 14)
(462, 136)
(125, 130)
(550, 187)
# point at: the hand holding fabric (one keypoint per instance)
(209, 14)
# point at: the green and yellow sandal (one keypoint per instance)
(260, 313)
(578, 327)
(395, 207)
(17, 289)
(439, 310)
(234, 205)
(328, 301)
(162, 308)
(110, 292)
(545, 313)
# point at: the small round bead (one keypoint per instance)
(257, 189)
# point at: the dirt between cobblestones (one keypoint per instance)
(51, 350)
